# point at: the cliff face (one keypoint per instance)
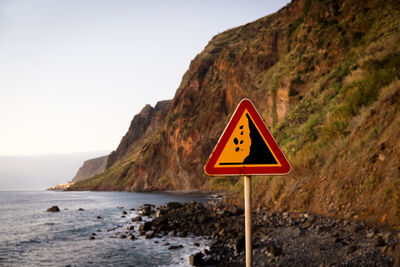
(324, 76)
(144, 129)
(90, 167)
(146, 122)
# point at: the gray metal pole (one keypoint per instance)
(247, 220)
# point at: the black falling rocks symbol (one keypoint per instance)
(236, 141)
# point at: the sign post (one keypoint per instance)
(247, 220)
(246, 147)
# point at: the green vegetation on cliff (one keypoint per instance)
(324, 76)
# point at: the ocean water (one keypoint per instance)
(30, 236)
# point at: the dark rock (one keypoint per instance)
(160, 221)
(141, 232)
(182, 234)
(80, 209)
(239, 243)
(149, 235)
(146, 226)
(122, 236)
(92, 238)
(379, 241)
(196, 244)
(235, 210)
(196, 259)
(132, 237)
(146, 211)
(99, 217)
(124, 213)
(202, 218)
(53, 209)
(351, 249)
(173, 205)
(274, 251)
(160, 212)
(130, 228)
(175, 247)
(137, 219)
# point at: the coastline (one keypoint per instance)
(279, 238)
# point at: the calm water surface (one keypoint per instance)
(30, 236)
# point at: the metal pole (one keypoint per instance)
(247, 220)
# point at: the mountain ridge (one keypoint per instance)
(324, 76)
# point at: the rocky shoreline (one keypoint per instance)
(279, 238)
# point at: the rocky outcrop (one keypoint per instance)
(143, 124)
(53, 209)
(90, 167)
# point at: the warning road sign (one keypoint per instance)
(246, 147)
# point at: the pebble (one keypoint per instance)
(279, 238)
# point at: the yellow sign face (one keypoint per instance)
(237, 149)
(238, 146)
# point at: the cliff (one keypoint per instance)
(325, 77)
(90, 167)
(144, 129)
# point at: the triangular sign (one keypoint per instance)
(246, 147)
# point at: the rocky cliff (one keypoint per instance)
(324, 76)
(90, 167)
(144, 129)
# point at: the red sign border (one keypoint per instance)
(246, 170)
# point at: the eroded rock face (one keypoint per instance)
(147, 121)
(90, 167)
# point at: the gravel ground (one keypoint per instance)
(279, 239)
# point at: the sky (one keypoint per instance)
(73, 73)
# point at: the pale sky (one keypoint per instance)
(73, 73)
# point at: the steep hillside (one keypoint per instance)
(144, 128)
(325, 77)
(90, 167)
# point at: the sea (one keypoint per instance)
(30, 236)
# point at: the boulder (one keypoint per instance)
(130, 228)
(274, 251)
(53, 209)
(146, 211)
(161, 211)
(175, 247)
(239, 243)
(160, 224)
(379, 241)
(146, 226)
(137, 219)
(150, 235)
(173, 205)
(196, 259)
